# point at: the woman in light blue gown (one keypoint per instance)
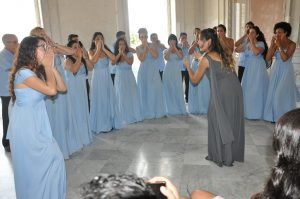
(76, 67)
(149, 82)
(57, 108)
(128, 99)
(282, 95)
(38, 164)
(255, 79)
(159, 61)
(173, 89)
(104, 114)
(199, 94)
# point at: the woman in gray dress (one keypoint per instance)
(226, 131)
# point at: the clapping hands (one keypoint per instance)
(48, 59)
(99, 44)
(121, 51)
(186, 62)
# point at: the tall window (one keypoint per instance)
(239, 18)
(150, 14)
(17, 17)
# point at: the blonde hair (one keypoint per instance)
(37, 31)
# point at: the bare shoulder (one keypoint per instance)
(203, 62)
(291, 44)
(231, 40)
(214, 56)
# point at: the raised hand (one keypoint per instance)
(98, 44)
(251, 38)
(49, 41)
(145, 46)
(278, 41)
(273, 40)
(186, 62)
(48, 59)
(170, 190)
(79, 53)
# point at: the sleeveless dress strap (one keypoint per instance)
(23, 74)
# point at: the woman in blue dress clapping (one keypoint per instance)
(173, 89)
(128, 99)
(104, 114)
(76, 67)
(149, 83)
(282, 95)
(199, 93)
(255, 79)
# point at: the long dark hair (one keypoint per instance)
(93, 44)
(209, 33)
(116, 47)
(26, 58)
(70, 44)
(261, 37)
(173, 37)
(284, 181)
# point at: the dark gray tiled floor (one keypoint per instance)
(174, 147)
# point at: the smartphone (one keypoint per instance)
(156, 188)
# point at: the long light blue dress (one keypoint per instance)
(199, 94)
(80, 132)
(150, 89)
(38, 164)
(57, 110)
(173, 89)
(104, 114)
(255, 84)
(282, 95)
(128, 99)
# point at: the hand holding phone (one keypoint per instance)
(156, 188)
(169, 191)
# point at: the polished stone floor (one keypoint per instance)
(174, 147)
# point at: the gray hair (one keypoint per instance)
(5, 37)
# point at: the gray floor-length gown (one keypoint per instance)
(226, 131)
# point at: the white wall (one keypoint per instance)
(60, 18)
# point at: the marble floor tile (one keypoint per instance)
(171, 146)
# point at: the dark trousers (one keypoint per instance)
(241, 72)
(113, 78)
(88, 92)
(161, 74)
(186, 79)
(5, 102)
